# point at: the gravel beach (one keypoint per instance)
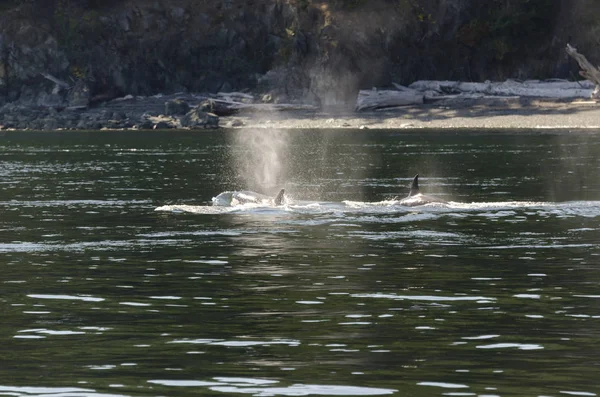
(497, 114)
(161, 112)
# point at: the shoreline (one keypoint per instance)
(498, 114)
(148, 113)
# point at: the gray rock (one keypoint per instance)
(70, 115)
(226, 87)
(119, 116)
(178, 13)
(212, 121)
(82, 124)
(176, 107)
(145, 125)
(235, 123)
(198, 118)
(213, 82)
(51, 100)
(127, 124)
(95, 125)
(79, 96)
(163, 125)
(113, 124)
(218, 108)
(124, 22)
(49, 124)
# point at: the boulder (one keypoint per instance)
(145, 125)
(235, 123)
(162, 125)
(217, 107)
(176, 107)
(226, 87)
(51, 100)
(198, 118)
(49, 124)
(119, 116)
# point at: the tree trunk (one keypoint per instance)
(590, 72)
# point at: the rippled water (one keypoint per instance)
(119, 278)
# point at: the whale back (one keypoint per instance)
(241, 197)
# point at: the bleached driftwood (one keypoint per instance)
(59, 83)
(530, 88)
(538, 89)
(590, 72)
(231, 106)
(236, 96)
(377, 99)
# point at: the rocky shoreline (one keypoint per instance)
(198, 112)
(64, 64)
(556, 104)
(156, 112)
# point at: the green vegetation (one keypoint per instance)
(506, 27)
(75, 25)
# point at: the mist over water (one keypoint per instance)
(260, 159)
(309, 165)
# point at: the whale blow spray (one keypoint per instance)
(260, 158)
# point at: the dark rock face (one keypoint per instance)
(176, 107)
(317, 52)
(79, 96)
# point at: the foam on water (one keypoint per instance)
(53, 391)
(202, 209)
(487, 209)
(71, 203)
(268, 387)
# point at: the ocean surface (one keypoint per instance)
(120, 277)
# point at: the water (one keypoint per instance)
(340, 292)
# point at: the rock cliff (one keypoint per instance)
(317, 51)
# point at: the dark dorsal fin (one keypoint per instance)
(279, 199)
(414, 188)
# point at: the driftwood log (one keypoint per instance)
(448, 92)
(226, 106)
(379, 99)
(59, 84)
(589, 71)
(436, 90)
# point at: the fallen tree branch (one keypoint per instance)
(590, 72)
(377, 99)
(228, 107)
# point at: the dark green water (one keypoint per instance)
(341, 292)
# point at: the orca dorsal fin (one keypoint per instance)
(414, 188)
(279, 198)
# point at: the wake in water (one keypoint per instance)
(227, 202)
(415, 202)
